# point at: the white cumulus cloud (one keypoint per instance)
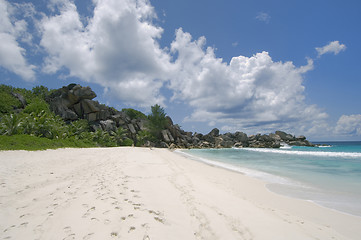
(349, 125)
(246, 93)
(12, 55)
(117, 49)
(333, 47)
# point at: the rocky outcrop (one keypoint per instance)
(76, 102)
(175, 137)
(73, 102)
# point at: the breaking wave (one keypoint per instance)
(303, 153)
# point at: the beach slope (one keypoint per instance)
(140, 193)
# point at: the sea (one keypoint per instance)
(328, 175)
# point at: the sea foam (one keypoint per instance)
(309, 153)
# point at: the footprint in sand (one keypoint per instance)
(67, 229)
(88, 212)
(88, 236)
(161, 220)
(38, 229)
(22, 207)
(70, 237)
(24, 224)
(7, 229)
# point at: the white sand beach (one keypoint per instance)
(139, 193)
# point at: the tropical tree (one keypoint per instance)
(103, 138)
(144, 136)
(41, 91)
(119, 135)
(157, 121)
(28, 124)
(78, 128)
(49, 125)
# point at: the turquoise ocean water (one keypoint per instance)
(329, 176)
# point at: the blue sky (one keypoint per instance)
(252, 66)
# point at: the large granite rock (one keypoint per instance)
(108, 125)
(285, 136)
(75, 102)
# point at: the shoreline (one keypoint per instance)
(281, 185)
(139, 193)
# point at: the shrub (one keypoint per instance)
(128, 142)
(27, 142)
(10, 124)
(104, 139)
(78, 128)
(8, 102)
(119, 135)
(134, 114)
(144, 136)
(36, 106)
(45, 124)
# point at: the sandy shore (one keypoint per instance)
(136, 193)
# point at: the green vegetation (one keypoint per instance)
(10, 124)
(32, 143)
(144, 136)
(8, 102)
(41, 91)
(37, 105)
(26, 122)
(134, 114)
(157, 121)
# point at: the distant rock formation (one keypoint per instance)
(74, 102)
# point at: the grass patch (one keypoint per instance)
(33, 143)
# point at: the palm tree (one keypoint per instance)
(144, 136)
(28, 125)
(10, 124)
(119, 135)
(77, 128)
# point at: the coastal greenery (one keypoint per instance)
(157, 121)
(134, 114)
(26, 122)
(32, 143)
